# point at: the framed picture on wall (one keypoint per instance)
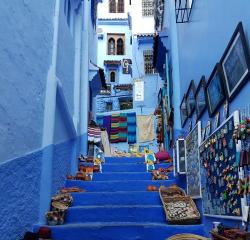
(190, 98)
(236, 62)
(200, 98)
(183, 111)
(215, 92)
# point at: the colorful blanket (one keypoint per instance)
(123, 128)
(94, 134)
(114, 133)
(145, 125)
(131, 119)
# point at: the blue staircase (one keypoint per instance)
(117, 206)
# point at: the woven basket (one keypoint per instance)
(186, 237)
(180, 210)
(172, 191)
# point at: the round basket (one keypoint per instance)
(186, 236)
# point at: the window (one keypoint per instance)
(147, 8)
(120, 6)
(109, 106)
(120, 44)
(111, 46)
(148, 62)
(112, 76)
(112, 6)
(126, 103)
(116, 6)
(116, 44)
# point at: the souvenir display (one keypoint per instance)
(219, 171)
(200, 98)
(242, 134)
(149, 160)
(161, 173)
(215, 92)
(228, 233)
(180, 156)
(236, 62)
(193, 141)
(59, 206)
(179, 208)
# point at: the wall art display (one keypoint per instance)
(190, 98)
(236, 62)
(200, 98)
(208, 128)
(225, 110)
(217, 120)
(215, 92)
(190, 125)
(219, 171)
(180, 156)
(193, 141)
(183, 111)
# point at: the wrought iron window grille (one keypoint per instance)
(183, 9)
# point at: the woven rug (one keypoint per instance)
(114, 133)
(123, 128)
(131, 119)
(145, 124)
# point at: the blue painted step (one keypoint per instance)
(110, 176)
(129, 167)
(124, 160)
(121, 231)
(116, 198)
(113, 186)
(113, 213)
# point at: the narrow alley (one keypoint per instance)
(124, 119)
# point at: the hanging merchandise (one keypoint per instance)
(219, 156)
(123, 128)
(114, 135)
(149, 160)
(105, 143)
(145, 124)
(131, 118)
(94, 134)
(193, 141)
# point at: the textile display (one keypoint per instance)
(131, 119)
(107, 124)
(123, 128)
(145, 125)
(94, 134)
(114, 134)
(105, 143)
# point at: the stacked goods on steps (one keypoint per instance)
(179, 208)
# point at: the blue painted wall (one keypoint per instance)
(202, 42)
(65, 57)
(25, 50)
(20, 191)
(26, 53)
(200, 45)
